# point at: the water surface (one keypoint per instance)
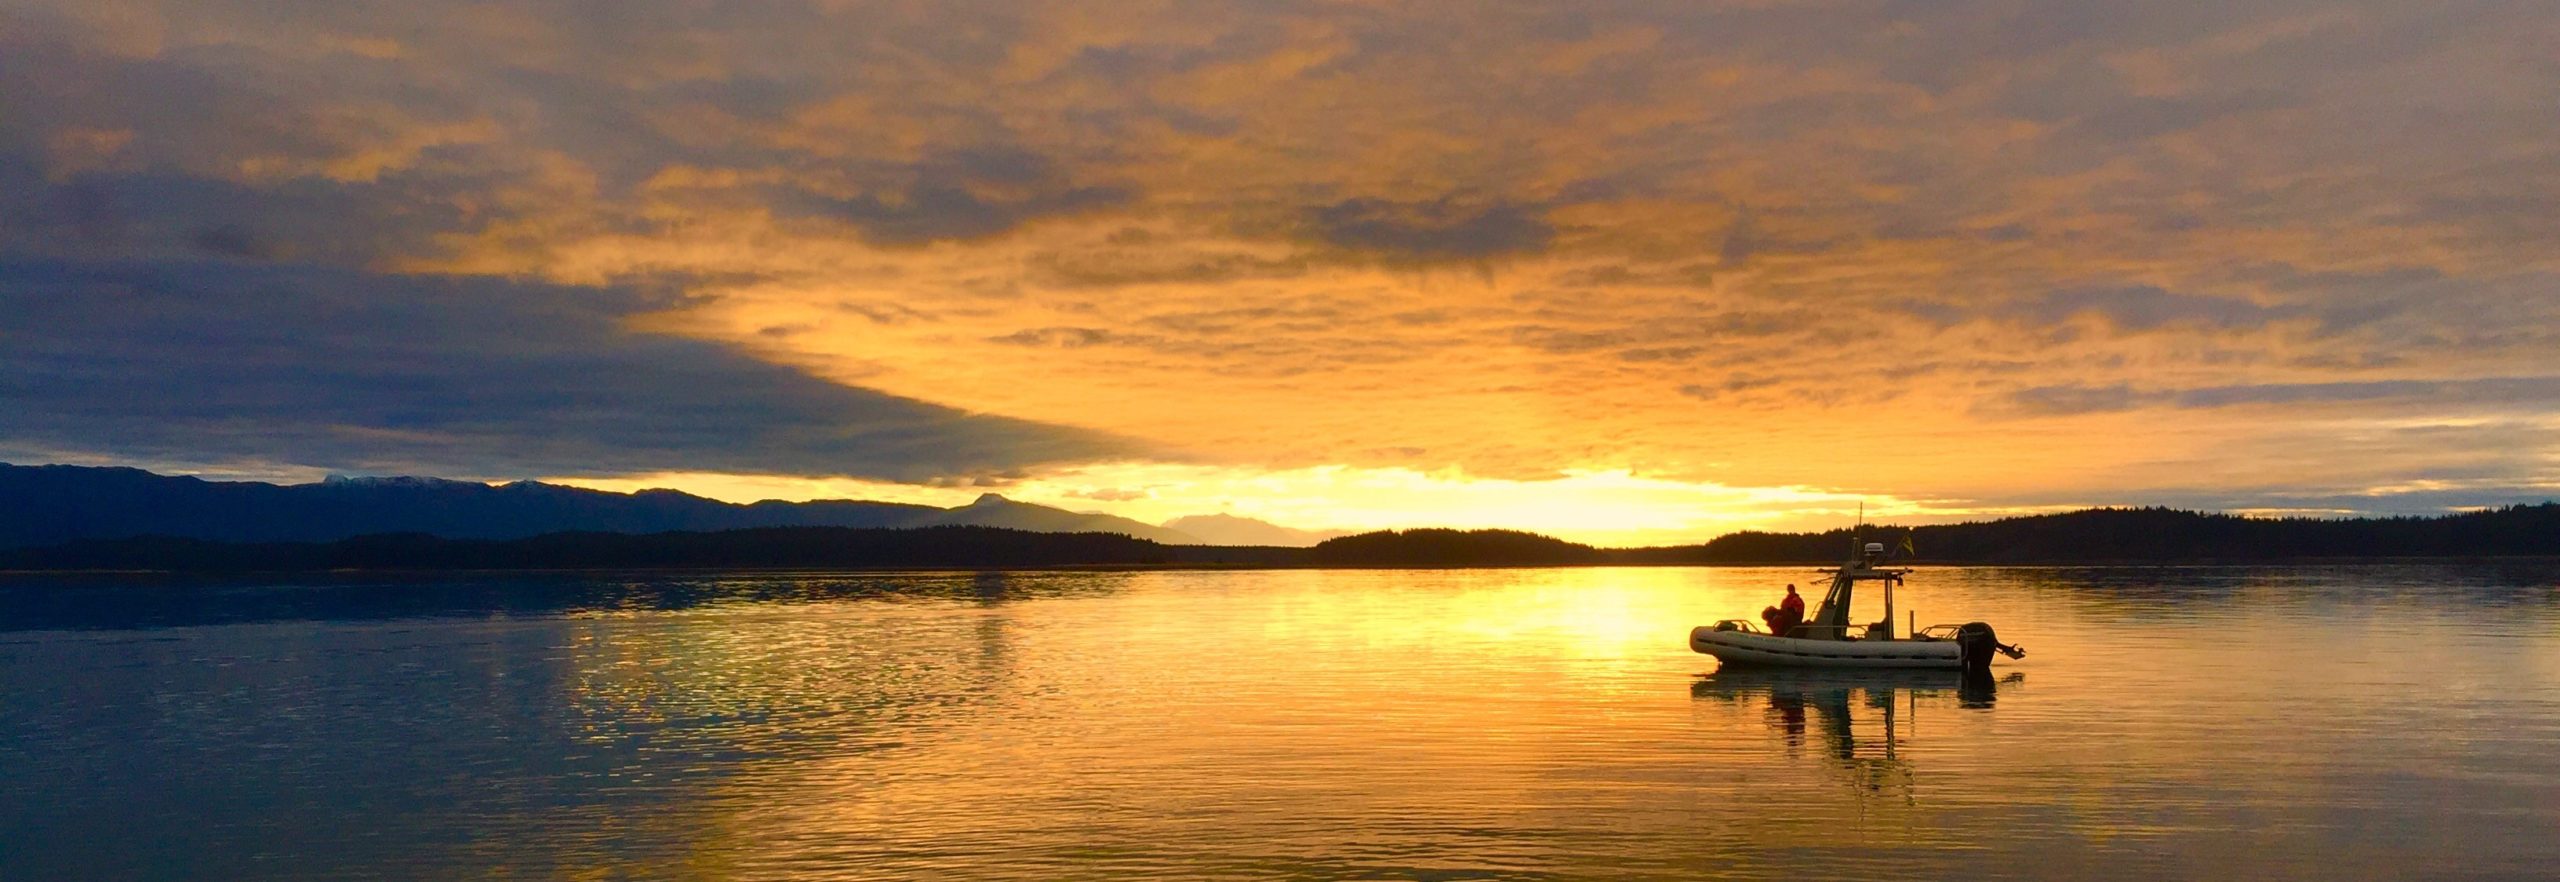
(2382, 722)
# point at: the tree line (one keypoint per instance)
(2149, 534)
(2091, 536)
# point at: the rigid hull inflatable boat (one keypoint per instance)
(1828, 640)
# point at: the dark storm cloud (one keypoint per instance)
(464, 376)
(176, 216)
(1441, 229)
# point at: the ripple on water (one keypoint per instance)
(1540, 724)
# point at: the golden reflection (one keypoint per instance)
(1834, 703)
(1354, 723)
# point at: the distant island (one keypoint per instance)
(124, 519)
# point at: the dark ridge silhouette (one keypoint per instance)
(47, 505)
(1438, 547)
(2150, 534)
(764, 548)
(2094, 536)
(946, 547)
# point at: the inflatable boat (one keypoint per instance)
(1829, 640)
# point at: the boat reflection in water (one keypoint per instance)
(1824, 708)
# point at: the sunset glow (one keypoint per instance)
(1624, 273)
(1609, 508)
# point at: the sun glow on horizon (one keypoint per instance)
(1608, 508)
(1622, 275)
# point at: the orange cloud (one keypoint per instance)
(1957, 253)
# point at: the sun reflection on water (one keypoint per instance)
(1318, 724)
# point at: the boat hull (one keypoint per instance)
(1763, 650)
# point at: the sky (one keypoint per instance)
(1628, 273)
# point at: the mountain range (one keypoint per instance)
(1227, 529)
(51, 504)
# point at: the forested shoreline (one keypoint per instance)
(2150, 535)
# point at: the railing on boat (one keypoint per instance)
(1804, 632)
(1839, 632)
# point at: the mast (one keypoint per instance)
(1831, 620)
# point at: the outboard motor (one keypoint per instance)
(1975, 643)
(1977, 690)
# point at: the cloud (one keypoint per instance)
(2146, 307)
(932, 213)
(1135, 256)
(2434, 395)
(1068, 338)
(455, 376)
(967, 194)
(1325, 233)
(1440, 229)
(2073, 398)
(1741, 240)
(161, 215)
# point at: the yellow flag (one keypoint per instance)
(1906, 545)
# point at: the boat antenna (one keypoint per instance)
(1857, 531)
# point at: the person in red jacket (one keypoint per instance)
(1786, 615)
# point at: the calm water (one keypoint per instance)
(2381, 722)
